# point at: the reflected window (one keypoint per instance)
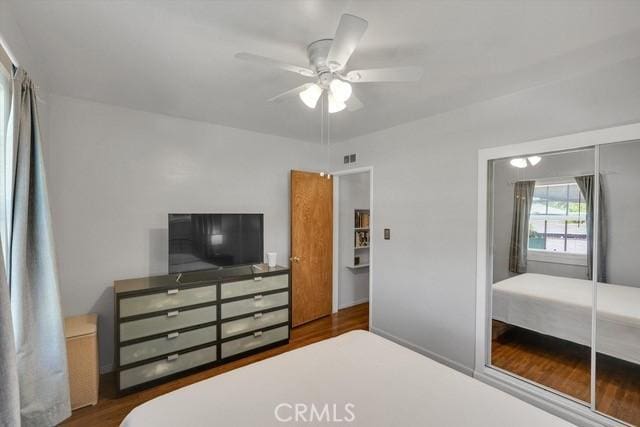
(558, 219)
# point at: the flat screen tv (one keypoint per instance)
(213, 241)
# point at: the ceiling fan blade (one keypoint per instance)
(400, 74)
(290, 93)
(269, 62)
(350, 30)
(353, 103)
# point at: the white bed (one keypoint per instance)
(561, 307)
(388, 385)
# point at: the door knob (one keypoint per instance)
(294, 259)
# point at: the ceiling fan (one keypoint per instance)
(327, 61)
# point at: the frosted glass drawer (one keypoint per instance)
(170, 365)
(171, 298)
(171, 343)
(256, 303)
(167, 322)
(254, 286)
(258, 339)
(251, 323)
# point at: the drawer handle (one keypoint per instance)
(172, 357)
(257, 334)
(173, 335)
(172, 291)
(257, 315)
(257, 279)
(257, 297)
(173, 313)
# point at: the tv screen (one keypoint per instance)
(212, 241)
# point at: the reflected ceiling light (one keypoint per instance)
(217, 239)
(341, 90)
(519, 163)
(311, 95)
(534, 160)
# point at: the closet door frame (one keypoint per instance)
(537, 395)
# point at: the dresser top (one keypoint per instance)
(195, 277)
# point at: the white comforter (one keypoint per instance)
(386, 384)
(561, 307)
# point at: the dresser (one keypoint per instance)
(168, 326)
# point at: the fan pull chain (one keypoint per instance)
(328, 140)
(322, 119)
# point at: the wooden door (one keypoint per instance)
(311, 246)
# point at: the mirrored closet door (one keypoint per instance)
(541, 289)
(618, 286)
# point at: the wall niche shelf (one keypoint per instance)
(357, 267)
(361, 241)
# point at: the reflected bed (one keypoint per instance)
(561, 307)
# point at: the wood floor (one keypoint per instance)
(565, 366)
(111, 410)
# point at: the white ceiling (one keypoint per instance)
(176, 57)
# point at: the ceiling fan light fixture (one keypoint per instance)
(341, 90)
(354, 76)
(328, 59)
(519, 163)
(334, 66)
(534, 160)
(311, 95)
(335, 106)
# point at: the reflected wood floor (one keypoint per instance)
(111, 410)
(565, 366)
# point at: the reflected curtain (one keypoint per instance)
(518, 248)
(40, 352)
(586, 184)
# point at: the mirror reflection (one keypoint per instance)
(618, 288)
(542, 291)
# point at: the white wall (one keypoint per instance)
(620, 166)
(115, 173)
(425, 190)
(14, 42)
(353, 283)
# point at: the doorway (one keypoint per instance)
(353, 228)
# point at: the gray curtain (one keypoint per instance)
(518, 248)
(9, 388)
(586, 184)
(40, 351)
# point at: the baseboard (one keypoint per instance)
(352, 303)
(431, 355)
